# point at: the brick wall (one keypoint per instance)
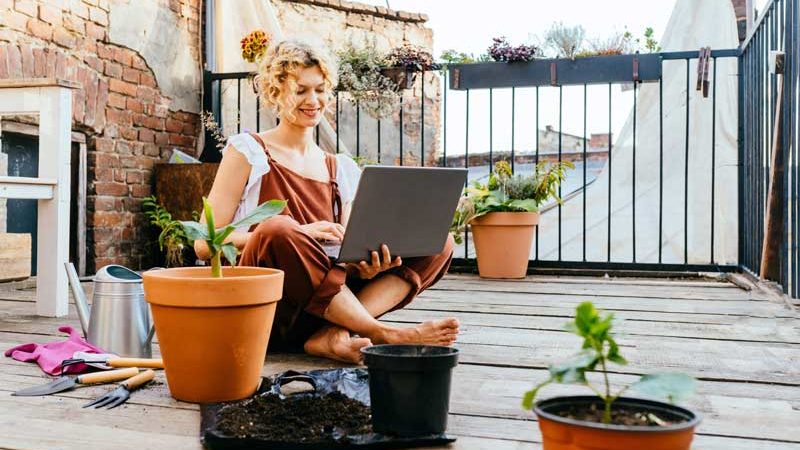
(127, 120)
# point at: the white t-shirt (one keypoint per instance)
(347, 173)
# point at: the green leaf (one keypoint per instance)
(530, 396)
(209, 218)
(528, 205)
(263, 212)
(230, 252)
(613, 353)
(573, 371)
(223, 234)
(194, 231)
(671, 386)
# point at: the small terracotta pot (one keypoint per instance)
(503, 243)
(213, 332)
(560, 433)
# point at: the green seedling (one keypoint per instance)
(599, 349)
(215, 237)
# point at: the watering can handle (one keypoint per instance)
(79, 297)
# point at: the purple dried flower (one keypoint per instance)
(501, 50)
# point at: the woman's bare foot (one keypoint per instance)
(432, 332)
(336, 343)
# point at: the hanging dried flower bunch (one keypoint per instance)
(254, 45)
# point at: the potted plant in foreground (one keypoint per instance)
(608, 421)
(213, 323)
(503, 214)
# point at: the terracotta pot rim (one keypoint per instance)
(189, 273)
(506, 218)
(541, 405)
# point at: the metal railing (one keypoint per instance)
(442, 152)
(775, 30)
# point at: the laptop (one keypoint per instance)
(409, 209)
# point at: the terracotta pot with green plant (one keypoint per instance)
(503, 215)
(213, 323)
(608, 421)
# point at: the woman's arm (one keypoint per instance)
(226, 192)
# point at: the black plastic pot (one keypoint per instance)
(409, 387)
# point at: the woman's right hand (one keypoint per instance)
(324, 231)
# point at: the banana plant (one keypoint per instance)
(215, 237)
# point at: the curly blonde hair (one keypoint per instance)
(277, 72)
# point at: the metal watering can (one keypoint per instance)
(120, 318)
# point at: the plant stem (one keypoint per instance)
(607, 399)
(216, 265)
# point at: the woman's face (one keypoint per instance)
(310, 99)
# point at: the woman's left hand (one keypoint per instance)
(368, 271)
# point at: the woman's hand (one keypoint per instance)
(324, 231)
(368, 271)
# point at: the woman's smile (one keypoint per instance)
(311, 113)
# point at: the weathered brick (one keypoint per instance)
(103, 175)
(104, 203)
(80, 9)
(119, 175)
(123, 87)
(140, 190)
(102, 99)
(133, 177)
(162, 138)
(130, 74)
(175, 5)
(121, 118)
(152, 150)
(146, 94)
(108, 219)
(139, 119)
(104, 145)
(94, 62)
(50, 14)
(154, 123)
(146, 135)
(7, 4)
(27, 7)
(95, 31)
(174, 126)
(78, 105)
(16, 21)
(88, 45)
(105, 52)
(123, 56)
(144, 162)
(64, 38)
(74, 23)
(106, 188)
(116, 100)
(14, 62)
(113, 69)
(179, 139)
(90, 88)
(139, 63)
(129, 133)
(26, 53)
(146, 79)
(134, 105)
(40, 29)
(98, 16)
(3, 62)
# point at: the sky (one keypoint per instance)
(469, 26)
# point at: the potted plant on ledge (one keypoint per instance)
(503, 214)
(213, 323)
(405, 62)
(608, 421)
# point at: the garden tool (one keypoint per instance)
(66, 383)
(115, 362)
(121, 394)
(120, 319)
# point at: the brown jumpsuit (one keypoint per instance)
(311, 279)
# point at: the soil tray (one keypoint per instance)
(320, 409)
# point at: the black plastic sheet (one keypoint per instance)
(353, 383)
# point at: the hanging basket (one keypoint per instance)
(404, 78)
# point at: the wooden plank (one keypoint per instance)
(532, 287)
(711, 281)
(755, 308)
(15, 256)
(762, 331)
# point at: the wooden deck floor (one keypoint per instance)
(743, 346)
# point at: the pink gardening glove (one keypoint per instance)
(50, 355)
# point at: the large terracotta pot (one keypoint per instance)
(213, 332)
(503, 243)
(559, 433)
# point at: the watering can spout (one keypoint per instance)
(81, 304)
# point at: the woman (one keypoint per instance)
(327, 309)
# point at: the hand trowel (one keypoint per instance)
(65, 383)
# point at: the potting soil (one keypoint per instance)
(619, 416)
(333, 413)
